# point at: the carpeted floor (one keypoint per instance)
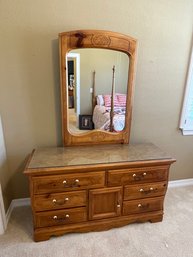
(171, 238)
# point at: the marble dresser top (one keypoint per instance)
(95, 154)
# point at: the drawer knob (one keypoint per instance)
(66, 199)
(54, 200)
(151, 189)
(118, 205)
(134, 175)
(141, 190)
(144, 174)
(55, 217)
(64, 182)
(77, 181)
(139, 205)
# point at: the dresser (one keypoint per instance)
(94, 188)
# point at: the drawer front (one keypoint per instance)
(59, 200)
(60, 183)
(60, 217)
(144, 190)
(137, 175)
(143, 205)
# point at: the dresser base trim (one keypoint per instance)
(42, 234)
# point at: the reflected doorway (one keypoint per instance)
(73, 75)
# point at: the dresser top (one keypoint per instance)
(96, 154)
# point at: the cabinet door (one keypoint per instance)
(105, 203)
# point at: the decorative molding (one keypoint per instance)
(101, 40)
(180, 183)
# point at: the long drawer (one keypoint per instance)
(137, 175)
(60, 183)
(60, 217)
(143, 205)
(59, 200)
(144, 190)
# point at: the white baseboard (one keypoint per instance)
(180, 183)
(16, 203)
(3, 221)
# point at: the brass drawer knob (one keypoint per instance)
(66, 199)
(134, 175)
(55, 217)
(67, 215)
(151, 189)
(118, 205)
(64, 182)
(144, 174)
(54, 200)
(139, 205)
(77, 181)
(141, 190)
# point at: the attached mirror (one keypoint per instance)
(90, 79)
(97, 70)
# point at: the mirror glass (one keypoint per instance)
(91, 73)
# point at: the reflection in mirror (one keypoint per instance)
(96, 91)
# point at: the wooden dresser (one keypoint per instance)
(93, 188)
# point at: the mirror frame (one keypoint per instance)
(96, 39)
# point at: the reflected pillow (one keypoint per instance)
(107, 100)
(100, 100)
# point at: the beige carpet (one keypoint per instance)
(171, 238)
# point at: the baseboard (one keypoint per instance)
(180, 183)
(3, 221)
(16, 203)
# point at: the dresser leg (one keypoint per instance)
(157, 219)
(40, 237)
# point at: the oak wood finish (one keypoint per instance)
(96, 39)
(142, 205)
(96, 197)
(52, 201)
(105, 203)
(145, 190)
(68, 182)
(66, 216)
(131, 176)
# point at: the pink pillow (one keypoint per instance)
(107, 100)
(121, 100)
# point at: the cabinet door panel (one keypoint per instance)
(105, 203)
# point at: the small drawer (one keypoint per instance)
(143, 205)
(60, 217)
(144, 190)
(60, 183)
(59, 200)
(137, 175)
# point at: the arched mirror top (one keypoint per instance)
(97, 71)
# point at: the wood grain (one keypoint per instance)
(96, 39)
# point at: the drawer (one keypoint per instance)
(137, 175)
(144, 190)
(60, 217)
(143, 205)
(60, 183)
(59, 200)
